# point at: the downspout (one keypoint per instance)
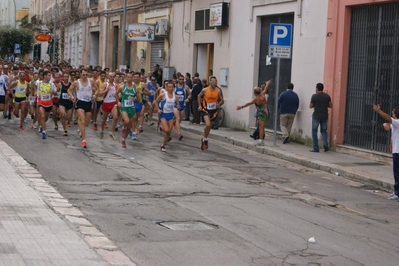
(104, 53)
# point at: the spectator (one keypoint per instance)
(288, 103)
(194, 97)
(320, 101)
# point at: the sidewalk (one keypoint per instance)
(40, 227)
(358, 169)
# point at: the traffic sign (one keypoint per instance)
(280, 34)
(17, 48)
(280, 40)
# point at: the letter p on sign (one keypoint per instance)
(280, 35)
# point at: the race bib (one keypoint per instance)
(169, 106)
(22, 90)
(65, 96)
(87, 98)
(128, 103)
(211, 106)
(181, 98)
(152, 93)
(46, 97)
(31, 102)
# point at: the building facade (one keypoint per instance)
(13, 11)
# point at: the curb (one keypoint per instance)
(353, 175)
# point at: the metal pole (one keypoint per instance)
(15, 14)
(55, 31)
(123, 57)
(276, 102)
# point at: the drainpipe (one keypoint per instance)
(104, 53)
(123, 58)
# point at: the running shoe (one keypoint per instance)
(180, 136)
(141, 129)
(259, 143)
(75, 121)
(146, 117)
(32, 126)
(206, 144)
(202, 144)
(40, 130)
(91, 121)
(170, 138)
(80, 133)
(105, 126)
(17, 115)
(51, 115)
(44, 135)
(9, 115)
(101, 134)
(95, 127)
(56, 127)
(84, 144)
(163, 149)
(65, 133)
(134, 136)
(5, 115)
(25, 122)
(123, 143)
(131, 134)
(68, 124)
(21, 127)
(112, 136)
(152, 123)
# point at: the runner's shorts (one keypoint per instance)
(86, 106)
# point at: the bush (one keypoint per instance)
(9, 36)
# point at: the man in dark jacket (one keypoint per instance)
(197, 88)
(288, 103)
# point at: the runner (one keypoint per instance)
(129, 95)
(85, 91)
(152, 87)
(45, 103)
(66, 105)
(19, 90)
(110, 105)
(99, 101)
(210, 99)
(166, 102)
(32, 99)
(3, 89)
(183, 93)
(56, 84)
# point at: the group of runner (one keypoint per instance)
(81, 95)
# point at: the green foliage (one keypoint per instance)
(9, 36)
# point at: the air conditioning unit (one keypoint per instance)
(162, 27)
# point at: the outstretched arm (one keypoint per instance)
(386, 116)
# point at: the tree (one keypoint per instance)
(10, 36)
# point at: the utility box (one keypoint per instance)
(168, 72)
(162, 27)
(224, 73)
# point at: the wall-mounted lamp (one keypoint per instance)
(142, 53)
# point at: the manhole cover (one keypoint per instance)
(185, 226)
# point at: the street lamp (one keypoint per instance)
(55, 31)
(123, 59)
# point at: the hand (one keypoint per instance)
(386, 126)
(238, 108)
(200, 108)
(268, 82)
(376, 107)
(119, 104)
(187, 100)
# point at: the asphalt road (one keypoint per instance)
(228, 205)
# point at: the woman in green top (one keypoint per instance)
(260, 102)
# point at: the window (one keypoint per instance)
(202, 20)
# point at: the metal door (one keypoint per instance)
(373, 74)
(267, 72)
(157, 53)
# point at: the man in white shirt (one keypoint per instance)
(393, 124)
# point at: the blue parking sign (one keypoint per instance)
(280, 35)
(17, 48)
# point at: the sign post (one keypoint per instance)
(17, 48)
(280, 43)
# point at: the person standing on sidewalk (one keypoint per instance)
(194, 94)
(393, 124)
(320, 101)
(260, 102)
(288, 103)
